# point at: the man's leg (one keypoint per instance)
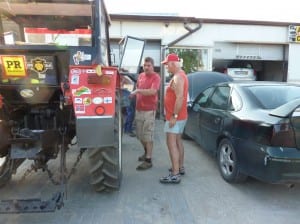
(143, 157)
(148, 146)
(180, 149)
(173, 152)
(130, 118)
(147, 157)
(139, 134)
(174, 176)
(147, 139)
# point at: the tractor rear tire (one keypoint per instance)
(5, 171)
(106, 162)
(8, 167)
(104, 170)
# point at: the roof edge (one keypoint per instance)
(147, 18)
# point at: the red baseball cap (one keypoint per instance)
(171, 57)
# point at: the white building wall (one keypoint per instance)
(210, 34)
(138, 29)
(294, 65)
(206, 36)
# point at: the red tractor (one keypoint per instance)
(57, 86)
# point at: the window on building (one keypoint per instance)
(194, 59)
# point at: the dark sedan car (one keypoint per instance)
(252, 127)
(198, 81)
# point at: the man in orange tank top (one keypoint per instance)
(175, 104)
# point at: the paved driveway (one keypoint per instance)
(202, 196)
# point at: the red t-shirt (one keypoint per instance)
(170, 98)
(150, 81)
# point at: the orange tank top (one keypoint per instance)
(170, 98)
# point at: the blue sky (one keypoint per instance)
(258, 10)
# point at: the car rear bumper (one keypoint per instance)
(237, 78)
(270, 164)
(281, 170)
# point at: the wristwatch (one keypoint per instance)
(175, 115)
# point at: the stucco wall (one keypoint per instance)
(206, 36)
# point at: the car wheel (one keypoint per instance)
(228, 163)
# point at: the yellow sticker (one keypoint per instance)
(13, 65)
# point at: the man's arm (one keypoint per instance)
(145, 92)
(148, 92)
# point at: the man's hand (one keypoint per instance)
(172, 122)
(133, 93)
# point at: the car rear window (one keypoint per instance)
(272, 97)
(241, 64)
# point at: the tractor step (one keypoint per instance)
(17, 152)
(32, 205)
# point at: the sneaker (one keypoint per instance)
(142, 158)
(170, 179)
(144, 165)
(181, 170)
(131, 134)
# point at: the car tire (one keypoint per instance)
(228, 163)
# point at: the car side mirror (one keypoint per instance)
(196, 107)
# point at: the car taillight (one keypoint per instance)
(283, 134)
(225, 71)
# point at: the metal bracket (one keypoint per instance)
(32, 205)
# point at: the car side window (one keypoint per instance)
(219, 99)
(202, 98)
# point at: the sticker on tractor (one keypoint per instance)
(40, 65)
(81, 56)
(82, 90)
(79, 109)
(78, 100)
(108, 99)
(98, 100)
(13, 66)
(75, 80)
(87, 101)
(108, 72)
(91, 71)
(26, 93)
(75, 71)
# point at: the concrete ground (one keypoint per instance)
(202, 197)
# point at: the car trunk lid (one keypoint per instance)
(290, 111)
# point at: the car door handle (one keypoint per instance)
(217, 120)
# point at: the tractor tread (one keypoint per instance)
(96, 167)
(97, 180)
(109, 174)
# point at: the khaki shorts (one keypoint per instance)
(144, 121)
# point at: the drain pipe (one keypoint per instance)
(163, 52)
(190, 32)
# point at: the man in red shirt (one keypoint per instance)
(175, 104)
(146, 93)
